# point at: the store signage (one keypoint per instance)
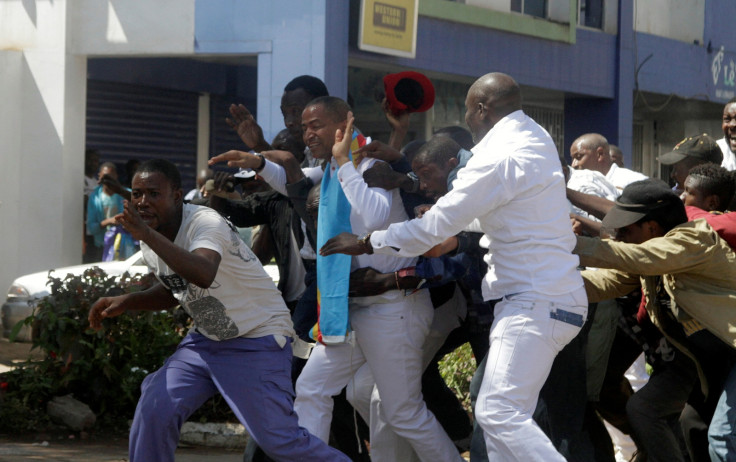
(389, 27)
(723, 70)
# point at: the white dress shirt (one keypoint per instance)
(591, 182)
(729, 159)
(622, 177)
(515, 187)
(371, 208)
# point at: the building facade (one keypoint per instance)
(141, 79)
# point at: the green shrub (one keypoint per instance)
(103, 369)
(457, 368)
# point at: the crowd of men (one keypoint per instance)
(391, 254)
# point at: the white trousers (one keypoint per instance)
(361, 392)
(526, 335)
(389, 339)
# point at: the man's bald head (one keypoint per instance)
(591, 152)
(491, 98)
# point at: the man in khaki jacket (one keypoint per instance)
(687, 274)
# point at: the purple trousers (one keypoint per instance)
(254, 377)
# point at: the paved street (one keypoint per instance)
(95, 449)
(111, 450)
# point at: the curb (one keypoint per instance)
(216, 435)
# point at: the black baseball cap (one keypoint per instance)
(638, 200)
(699, 147)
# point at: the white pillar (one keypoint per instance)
(41, 140)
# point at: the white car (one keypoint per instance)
(26, 291)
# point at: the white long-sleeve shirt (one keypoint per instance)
(591, 182)
(371, 208)
(514, 186)
(622, 177)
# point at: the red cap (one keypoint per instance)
(408, 91)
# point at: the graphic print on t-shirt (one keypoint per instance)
(209, 314)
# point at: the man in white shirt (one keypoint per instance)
(240, 345)
(388, 329)
(514, 186)
(591, 151)
(728, 142)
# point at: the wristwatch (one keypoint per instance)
(365, 241)
(263, 162)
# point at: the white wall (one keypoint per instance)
(132, 27)
(676, 19)
(287, 36)
(11, 65)
(41, 139)
(44, 45)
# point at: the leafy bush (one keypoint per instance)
(103, 369)
(457, 368)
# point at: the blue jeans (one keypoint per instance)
(254, 377)
(722, 430)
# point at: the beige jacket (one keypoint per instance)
(698, 270)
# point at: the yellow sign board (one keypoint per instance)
(389, 27)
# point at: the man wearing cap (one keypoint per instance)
(687, 274)
(692, 151)
(728, 142)
(514, 186)
(591, 151)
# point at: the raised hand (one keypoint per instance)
(343, 138)
(133, 223)
(399, 123)
(245, 126)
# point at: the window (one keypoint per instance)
(590, 13)
(536, 8)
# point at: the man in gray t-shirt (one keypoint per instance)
(240, 345)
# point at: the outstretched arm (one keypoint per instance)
(152, 299)
(378, 150)
(399, 125)
(346, 243)
(594, 205)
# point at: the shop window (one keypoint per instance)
(590, 13)
(536, 8)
